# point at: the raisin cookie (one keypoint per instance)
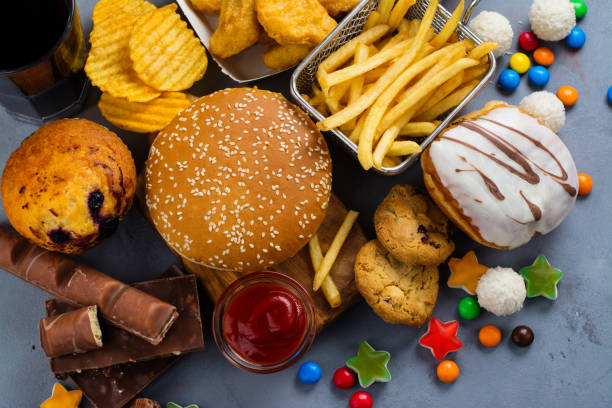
(410, 226)
(397, 292)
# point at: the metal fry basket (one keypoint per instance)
(351, 26)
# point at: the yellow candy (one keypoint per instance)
(520, 62)
(62, 398)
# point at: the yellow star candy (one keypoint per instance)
(465, 272)
(62, 398)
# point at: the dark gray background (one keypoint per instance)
(568, 365)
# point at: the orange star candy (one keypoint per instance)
(62, 398)
(465, 272)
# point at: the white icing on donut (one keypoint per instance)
(509, 186)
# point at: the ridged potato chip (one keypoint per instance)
(143, 117)
(108, 65)
(164, 51)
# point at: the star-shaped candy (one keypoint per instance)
(441, 338)
(370, 365)
(541, 278)
(465, 272)
(174, 405)
(62, 398)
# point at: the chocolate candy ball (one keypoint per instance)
(468, 308)
(528, 41)
(522, 336)
(309, 372)
(509, 80)
(576, 38)
(580, 8)
(538, 76)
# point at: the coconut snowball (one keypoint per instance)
(501, 291)
(546, 108)
(492, 26)
(552, 20)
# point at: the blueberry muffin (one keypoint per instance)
(68, 185)
(397, 292)
(410, 226)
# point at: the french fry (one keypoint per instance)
(404, 26)
(384, 144)
(398, 12)
(378, 109)
(330, 291)
(400, 109)
(413, 29)
(476, 72)
(334, 249)
(389, 161)
(352, 71)
(404, 148)
(449, 28)
(374, 74)
(449, 102)
(442, 92)
(398, 66)
(417, 129)
(355, 134)
(469, 44)
(384, 8)
(344, 53)
(361, 54)
(337, 92)
(482, 50)
(372, 21)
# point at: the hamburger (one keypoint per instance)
(238, 181)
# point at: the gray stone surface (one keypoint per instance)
(568, 365)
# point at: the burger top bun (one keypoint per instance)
(239, 181)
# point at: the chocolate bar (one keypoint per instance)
(145, 403)
(121, 347)
(73, 332)
(125, 307)
(114, 387)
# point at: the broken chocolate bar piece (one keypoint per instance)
(125, 307)
(145, 403)
(121, 347)
(72, 332)
(114, 387)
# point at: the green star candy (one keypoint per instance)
(173, 405)
(541, 278)
(370, 365)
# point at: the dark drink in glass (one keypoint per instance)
(42, 55)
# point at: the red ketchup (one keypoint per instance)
(265, 324)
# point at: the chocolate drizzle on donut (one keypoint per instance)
(535, 210)
(488, 182)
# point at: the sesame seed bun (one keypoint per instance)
(239, 181)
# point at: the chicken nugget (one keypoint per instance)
(206, 6)
(295, 21)
(335, 7)
(238, 28)
(281, 57)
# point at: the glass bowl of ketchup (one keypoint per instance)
(264, 322)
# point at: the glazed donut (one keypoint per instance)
(501, 176)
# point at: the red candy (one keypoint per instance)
(528, 41)
(344, 378)
(441, 338)
(361, 399)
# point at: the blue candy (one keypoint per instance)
(509, 80)
(309, 372)
(576, 38)
(538, 75)
(610, 95)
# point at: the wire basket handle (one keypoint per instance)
(468, 11)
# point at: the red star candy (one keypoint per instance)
(441, 338)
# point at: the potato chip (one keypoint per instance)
(108, 65)
(165, 52)
(143, 117)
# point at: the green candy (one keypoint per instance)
(468, 308)
(580, 8)
(174, 405)
(541, 278)
(370, 365)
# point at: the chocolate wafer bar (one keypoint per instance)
(121, 347)
(125, 307)
(72, 332)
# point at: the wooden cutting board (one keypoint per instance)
(299, 266)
